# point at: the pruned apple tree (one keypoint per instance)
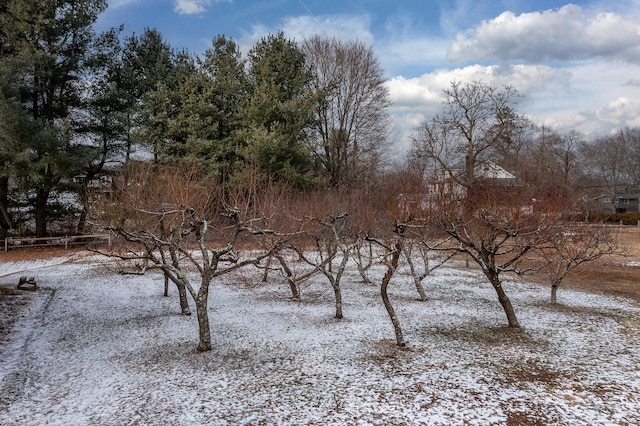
(492, 216)
(167, 217)
(324, 240)
(573, 246)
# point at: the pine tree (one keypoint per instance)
(45, 47)
(279, 113)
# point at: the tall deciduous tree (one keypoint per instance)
(351, 116)
(606, 160)
(630, 137)
(476, 121)
(547, 157)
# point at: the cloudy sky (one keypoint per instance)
(577, 64)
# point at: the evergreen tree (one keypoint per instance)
(148, 63)
(45, 49)
(206, 96)
(225, 69)
(279, 112)
(103, 124)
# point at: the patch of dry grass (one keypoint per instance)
(613, 275)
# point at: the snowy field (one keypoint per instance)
(96, 348)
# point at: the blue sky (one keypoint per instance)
(577, 64)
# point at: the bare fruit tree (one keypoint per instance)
(387, 231)
(294, 275)
(574, 246)
(408, 185)
(328, 221)
(154, 211)
(498, 236)
(423, 260)
(364, 256)
(392, 246)
(492, 216)
(330, 245)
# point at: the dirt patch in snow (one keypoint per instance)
(613, 275)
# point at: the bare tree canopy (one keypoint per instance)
(611, 163)
(476, 122)
(352, 121)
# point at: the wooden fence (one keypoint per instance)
(66, 241)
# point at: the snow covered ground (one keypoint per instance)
(96, 348)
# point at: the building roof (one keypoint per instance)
(490, 170)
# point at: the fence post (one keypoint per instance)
(6, 243)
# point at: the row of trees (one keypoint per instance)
(445, 201)
(169, 219)
(75, 104)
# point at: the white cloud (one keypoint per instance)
(569, 33)
(194, 7)
(599, 100)
(592, 97)
(620, 112)
(426, 91)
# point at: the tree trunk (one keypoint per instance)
(504, 300)
(265, 276)
(362, 267)
(417, 279)
(363, 273)
(42, 197)
(204, 332)
(81, 222)
(166, 285)
(335, 281)
(385, 297)
(182, 287)
(83, 199)
(554, 290)
(295, 291)
(4, 200)
(338, 297)
(184, 302)
(420, 289)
